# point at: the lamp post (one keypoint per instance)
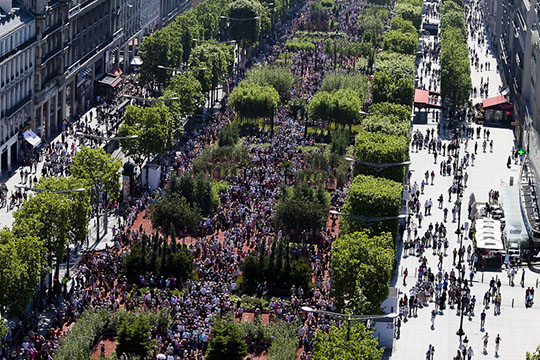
(368, 219)
(376, 166)
(179, 71)
(149, 100)
(349, 318)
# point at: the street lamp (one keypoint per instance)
(367, 219)
(215, 42)
(97, 137)
(376, 166)
(239, 19)
(28, 188)
(179, 71)
(149, 100)
(349, 318)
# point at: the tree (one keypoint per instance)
(44, 215)
(174, 209)
(160, 48)
(21, 265)
(456, 81)
(403, 43)
(246, 31)
(79, 203)
(410, 11)
(226, 342)
(189, 91)
(403, 26)
(361, 269)
(533, 356)
(99, 172)
(372, 197)
(384, 109)
(302, 208)
(280, 78)
(253, 101)
(337, 81)
(198, 191)
(333, 345)
(134, 336)
(152, 127)
(217, 59)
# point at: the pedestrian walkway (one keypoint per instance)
(517, 331)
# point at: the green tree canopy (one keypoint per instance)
(134, 336)
(380, 148)
(21, 265)
(402, 112)
(302, 208)
(153, 128)
(400, 42)
(160, 48)
(410, 11)
(189, 91)
(361, 270)
(175, 210)
(372, 197)
(280, 78)
(354, 81)
(226, 342)
(247, 30)
(333, 345)
(216, 58)
(254, 101)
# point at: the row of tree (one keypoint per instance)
(393, 80)
(456, 81)
(51, 219)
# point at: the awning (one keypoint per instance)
(488, 234)
(137, 61)
(427, 99)
(32, 138)
(116, 71)
(498, 102)
(109, 80)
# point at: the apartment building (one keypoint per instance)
(17, 59)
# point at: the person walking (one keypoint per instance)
(482, 319)
(485, 340)
(470, 353)
(497, 344)
(522, 282)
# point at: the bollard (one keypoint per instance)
(537, 283)
(482, 277)
(512, 302)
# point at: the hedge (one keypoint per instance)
(389, 125)
(381, 149)
(372, 197)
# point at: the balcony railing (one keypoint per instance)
(18, 106)
(21, 47)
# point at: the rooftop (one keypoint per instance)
(11, 20)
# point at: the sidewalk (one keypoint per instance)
(517, 331)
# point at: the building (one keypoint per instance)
(17, 59)
(514, 34)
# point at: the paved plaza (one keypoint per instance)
(516, 324)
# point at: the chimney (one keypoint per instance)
(6, 5)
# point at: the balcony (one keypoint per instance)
(51, 54)
(52, 29)
(18, 106)
(49, 78)
(21, 47)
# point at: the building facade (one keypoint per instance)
(17, 59)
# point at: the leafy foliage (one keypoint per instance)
(402, 112)
(198, 192)
(299, 45)
(342, 107)
(153, 128)
(456, 81)
(175, 210)
(279, 78)
(222, 161)
(158, 258)
(354, 81)
(251, 100)
(333, 345)
(386, 125)
(228, 135)
(217, 60)
(134, 336)
(226, 342)
(361, 270)
(190, 93)
(400, 42)
(21, 264)
(246, 31)
(302, 208)
(381, 148)
(410, 10)
(372, 197)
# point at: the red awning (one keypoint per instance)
(498, 102)
(109, 80)
(116, 71)
(427, 99)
